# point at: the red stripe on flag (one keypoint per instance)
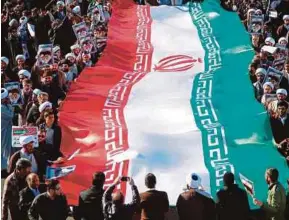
(92, 116)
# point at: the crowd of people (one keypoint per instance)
(46, 45)
(28, 199)
(267, 23)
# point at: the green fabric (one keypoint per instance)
(231, 116)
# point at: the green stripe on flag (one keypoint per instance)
(235, 129)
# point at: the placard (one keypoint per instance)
(14, 93)
(18, 132)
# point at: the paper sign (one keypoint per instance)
(18, 132)
(248, 184)
(57, 172)
(14, 93)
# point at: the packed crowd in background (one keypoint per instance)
(46, 45)
(267, 23)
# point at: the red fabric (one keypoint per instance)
(82, 115)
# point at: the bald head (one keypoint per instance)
(117, 198)
(33, 180)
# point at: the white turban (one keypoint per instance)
(25, 73)
(5, 60)
(281, 91)
(20, 56)
(26, 140)
(4, 93)
(268, 84)
(44, 105)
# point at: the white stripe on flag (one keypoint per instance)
(158, 114)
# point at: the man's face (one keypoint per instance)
(20, 62)
(267, 179)
(76, 51)
(42, 99)
(64, 67)
(267, 90)
(71, 59)
(60, 7)
(49, 119)
(56, 192)
(260, 77)
(46, 80)
(14, 97)
(14, 33)
(3, 65)
(22, 77)
(26, 87)
(286, 22)
(287, 68)
(45, 58)
(24, 172)
(281, 96)
(282, 110)
(29, 148)
(263, 55)
(35, 182)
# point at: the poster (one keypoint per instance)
(87, 44)
(274, 76)
(80, 30)
(18, 132)
(278, 64)
(14, 93)
(255, 24)
(57, 172)
(45, 55)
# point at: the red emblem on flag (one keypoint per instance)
(176, 63)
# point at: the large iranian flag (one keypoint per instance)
(171, 96)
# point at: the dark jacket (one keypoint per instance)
(10, 197)
(26, 199)
(48, 209)
(282, 31)
(39, 160)
(55, 93)
(119, 212)
(52, 152)
(196, 205)
(89, 204)
(280, 131)
(33, 114)
(232, 203)
(154, 204)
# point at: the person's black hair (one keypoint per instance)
(23, 163)
(150, 180)
(98, 179)
(228, 179)
(283, 104)
(273, 174)
(51, 184)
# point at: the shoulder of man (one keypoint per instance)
(278, 188)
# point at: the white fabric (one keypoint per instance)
(194, 181)
(20, 56)
(5, 60)
(4, 93)
(169, 138)
(26, 140)
(25, 73)
(45, 105)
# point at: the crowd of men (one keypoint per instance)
(267, 23)
(28, 199)
(46, 45)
